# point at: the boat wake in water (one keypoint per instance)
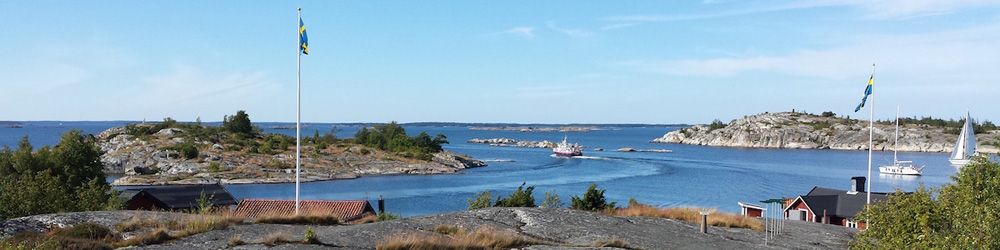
(581, 157)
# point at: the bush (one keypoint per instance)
(519, 198)
(88, 230)
(482, 200)
(309, 237)
(593, 200)
(214, 167)
(386, 216)
(716, 124)
(961, 216)
(828, 114)
(187, 149)
(302, 219)
(551, 201)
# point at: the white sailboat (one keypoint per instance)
(965, 147)
(899, 167)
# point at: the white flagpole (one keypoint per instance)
(871, 135)
(298, 108)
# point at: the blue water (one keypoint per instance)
(690, 176)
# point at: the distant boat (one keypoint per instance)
(565, 149)
(899, 167)
(965, 147)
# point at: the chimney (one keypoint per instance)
(381, 204)
(857, 184)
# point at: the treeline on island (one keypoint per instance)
(238, 133)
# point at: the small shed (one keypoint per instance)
(174, 197)
(751, 210)
(345, 210)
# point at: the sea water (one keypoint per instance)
(689, 176)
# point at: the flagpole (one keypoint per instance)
(871, 135)
(298, 109)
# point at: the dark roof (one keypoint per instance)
(182, 196)
(346, 210)
(837, 202)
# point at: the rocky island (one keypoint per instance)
(826, 131)
(172, 153)
(507, 142)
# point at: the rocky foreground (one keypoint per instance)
(807, 131)
(152, 160)
(551, 228)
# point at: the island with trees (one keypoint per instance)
(171, 152)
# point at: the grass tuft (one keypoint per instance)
(689, 214)
(482, 238)
(275, 239)
(236, 240)
(616, 243)
(302, 219)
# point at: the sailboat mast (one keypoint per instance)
(871, 135)
(895, 142)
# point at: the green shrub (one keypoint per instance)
(960, 216)
(592, 200)
(828, 114)
(716, 124)
(214, 167)
(551, 201)
(309, 237)
(482, 200)
(187, 149)
(88, 230)
(238, 123)
(386, 216)
(519, 198)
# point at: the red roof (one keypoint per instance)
(346, 210)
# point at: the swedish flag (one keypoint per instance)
(868, 91)
(303, 39)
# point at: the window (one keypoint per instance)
(852, 224)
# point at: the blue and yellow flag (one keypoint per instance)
(868, 91)
(303, 39)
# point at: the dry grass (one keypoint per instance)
(617, 243)
(482, 238)
(275, 239)
(301, 219)
(155, 236)
(689, 214)
(447, 229)
(158, 230)
(236, 240)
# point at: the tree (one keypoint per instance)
(239, 123)
(519, 198)
(962, 216)
(716, 124)
(592, 200)
(482, 200)
(551, 201)
(67, 177)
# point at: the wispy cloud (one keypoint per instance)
(928, 58)
(574, 33)
(888, 9)
(615, 26)
(526, 32)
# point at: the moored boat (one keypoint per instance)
(899, 167)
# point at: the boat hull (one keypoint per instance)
(898, 171)
(568, 154)
(959, 162)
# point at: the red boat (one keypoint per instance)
(564, 149)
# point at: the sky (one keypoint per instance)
(496, 61)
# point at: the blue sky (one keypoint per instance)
(496, 61)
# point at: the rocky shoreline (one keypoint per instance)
(154, 161)
(507, 142)
(808, 131)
